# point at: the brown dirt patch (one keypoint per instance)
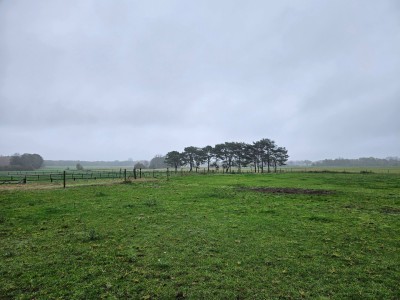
(70, 184)
(390, 210)
(283, 190)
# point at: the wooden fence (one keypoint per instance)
(21, 177)
(68, 176)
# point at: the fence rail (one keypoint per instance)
(68, 176)
(21, 177)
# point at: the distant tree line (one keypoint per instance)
(24, 162)
(86, 164)
(4, 160)
(359, 162)
(258, 155)
(158, 162)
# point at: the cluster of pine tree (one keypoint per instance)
(260, 154)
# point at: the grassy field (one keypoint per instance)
(271, 236)
(370, 169)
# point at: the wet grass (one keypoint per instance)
(205, 237)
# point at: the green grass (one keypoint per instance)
(366, 169)
(204, 237)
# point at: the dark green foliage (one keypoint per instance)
(232, 154)
(174, 159)
(209, 154)
(225, 153)
(26, 161)
(188, 156)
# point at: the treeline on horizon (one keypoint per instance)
(359, 162)
(18, 162)
(86, 163)
(21, 163)
(158, 162)
(259, 154)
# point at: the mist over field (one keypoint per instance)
(112, 80)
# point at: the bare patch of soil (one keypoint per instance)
(297, 191)
(47, 186)
(390, 210)
(33, 186)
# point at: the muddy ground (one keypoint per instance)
(283, 190)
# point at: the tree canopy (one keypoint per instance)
(259, 154)
(26, 161)
(174, 159)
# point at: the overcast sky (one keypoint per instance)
(112, 80)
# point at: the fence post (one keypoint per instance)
(134, 173)
(64, 179)
(125, 174)
(140, 172)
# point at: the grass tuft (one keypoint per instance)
(91, 235)
(100, 194)
(150, 202)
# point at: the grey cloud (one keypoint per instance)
(176, 73)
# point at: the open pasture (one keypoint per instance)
(97, 176)
(247, 236)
